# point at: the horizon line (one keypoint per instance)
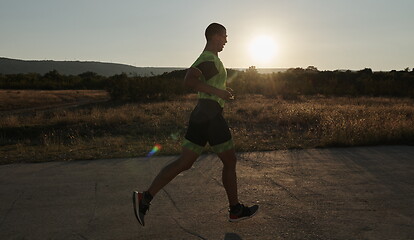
(186, 67)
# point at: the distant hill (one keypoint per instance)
(15, 66)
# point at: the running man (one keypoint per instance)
(206, 125)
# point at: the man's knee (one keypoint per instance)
(187, 159)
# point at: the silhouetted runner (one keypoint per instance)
(206, 125)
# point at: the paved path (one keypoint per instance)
(345, 193)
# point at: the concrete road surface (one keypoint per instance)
(343, 193)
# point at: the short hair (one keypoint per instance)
(213, 29)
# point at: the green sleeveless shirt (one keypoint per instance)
(213, 73)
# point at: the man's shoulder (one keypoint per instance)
(207, 56)
(204, 57)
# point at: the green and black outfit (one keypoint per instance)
(207, 124)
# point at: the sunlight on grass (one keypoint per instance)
(257, 123)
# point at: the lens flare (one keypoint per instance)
(154, 150)
(175, 136)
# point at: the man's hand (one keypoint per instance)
(192, 81)
(225, 94)
(231, 91)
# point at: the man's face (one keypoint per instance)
(221, 40)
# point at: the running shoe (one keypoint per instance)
(139, 207)
(243, 213)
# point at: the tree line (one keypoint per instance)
(311, 81)
(290, 83)
(52, 80)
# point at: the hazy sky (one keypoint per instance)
(328, 34)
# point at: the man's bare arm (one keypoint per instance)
(192, 81)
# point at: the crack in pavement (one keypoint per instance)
(214, 179)
(171, 199)
(281, 186)
(219, 183)
(95, 203)
(79, 235)
(10, 208)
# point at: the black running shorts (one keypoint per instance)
(207, 125)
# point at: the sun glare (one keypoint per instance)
(263, 50)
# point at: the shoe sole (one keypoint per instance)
(243, 218)
(136, 207)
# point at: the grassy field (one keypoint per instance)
(39, 99)
(115, 130)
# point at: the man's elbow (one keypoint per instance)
(191, 79)
(187, 83)
(190, 83)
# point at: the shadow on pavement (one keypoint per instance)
(232, 236)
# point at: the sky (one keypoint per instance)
(327, 34)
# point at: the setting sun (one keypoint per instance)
(263, 50)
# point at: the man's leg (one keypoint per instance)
(237, 211)
(229, 176)
(141, 200)
(169, 172)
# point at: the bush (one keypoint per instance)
(122, 87)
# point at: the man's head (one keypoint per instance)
(216, 36)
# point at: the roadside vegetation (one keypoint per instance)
(270, 112)
(290, 83)
(258, 123)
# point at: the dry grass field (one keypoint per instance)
(111, 130)
(39, 99)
